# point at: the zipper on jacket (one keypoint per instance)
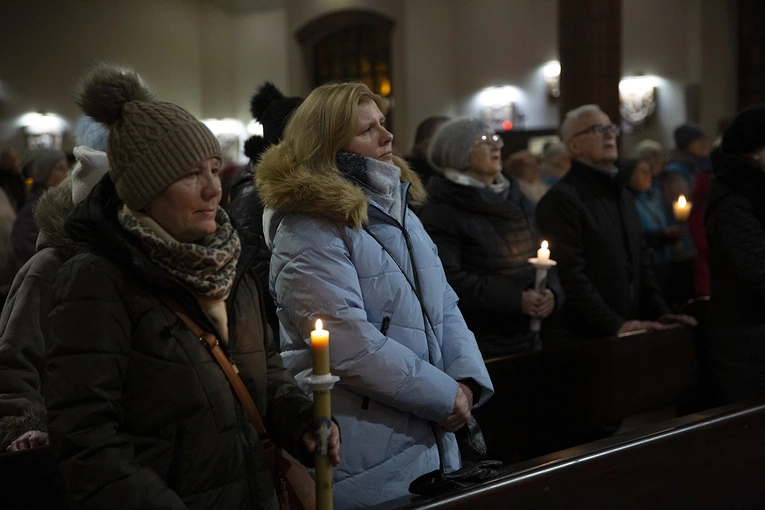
(383, 329)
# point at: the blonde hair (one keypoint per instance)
(325, 123)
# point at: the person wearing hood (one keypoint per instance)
(735, 231)
(140, 415)
(485, 231)
(47, 168)
(24, 326)
(347, 249)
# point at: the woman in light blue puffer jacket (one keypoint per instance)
(346, 249)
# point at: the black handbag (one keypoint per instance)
(436, 482)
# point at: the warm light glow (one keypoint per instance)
(507, 125)
(637, 85)
(497, 97)
(385, 87)
(225, 126)
(318, 325)
(551, 69)
(681, 202)
(42, 123)
(543, 253)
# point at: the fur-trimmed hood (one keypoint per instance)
(288, 187)
(50, 215)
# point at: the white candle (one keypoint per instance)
(543, 254)
(320, 348)
(682, 208)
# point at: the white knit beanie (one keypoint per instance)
(91, 166)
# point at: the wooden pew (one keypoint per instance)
(711, 459)
(554, 399)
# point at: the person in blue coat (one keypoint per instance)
(347, 249)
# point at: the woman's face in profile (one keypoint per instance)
(186, 209)
(371, 140)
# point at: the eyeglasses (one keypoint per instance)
(495, 140)
(600, 130)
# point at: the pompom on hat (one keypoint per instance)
(451, 145)
(272, 109)
(151, 143)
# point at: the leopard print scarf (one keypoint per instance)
(208, 267)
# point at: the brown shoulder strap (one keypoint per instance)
(209, 340)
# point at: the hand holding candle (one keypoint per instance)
(682, 209)
(542, 263)
(321, 382)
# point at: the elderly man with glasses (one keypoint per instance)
(592, 224)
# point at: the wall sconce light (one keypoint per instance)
(498, 107)
(637, 99)
(551, 72)
(43, 129)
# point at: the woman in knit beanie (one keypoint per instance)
(140, 413)
(735, 231)
(484, 228)
(47, 168)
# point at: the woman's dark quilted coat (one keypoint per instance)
(140, 414)
(484, 241)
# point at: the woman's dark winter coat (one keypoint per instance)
(24, 326)
(140, 414)
(735, 228)
(484, 241)
(593, 227)
(24, 233)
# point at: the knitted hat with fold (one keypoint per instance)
(151, 143)
(450, 146)
(686, 134)
(38, 164)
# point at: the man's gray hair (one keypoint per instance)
(647, 148)
(572, 118)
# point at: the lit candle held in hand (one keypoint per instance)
(320, 348)
(682, 209)
(543, 254)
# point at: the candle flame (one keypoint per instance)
(318, 325)
(544, 245)
(681, 201)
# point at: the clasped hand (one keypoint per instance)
(463, 403)
(537, 304)
(334, 444)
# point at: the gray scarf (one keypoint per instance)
(379, 180)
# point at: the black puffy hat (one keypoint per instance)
(272, 109)
(746, 133)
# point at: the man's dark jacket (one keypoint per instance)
(593, 227)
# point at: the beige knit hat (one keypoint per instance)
(151, 144)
